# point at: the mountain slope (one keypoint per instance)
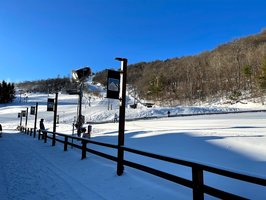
(230, 70)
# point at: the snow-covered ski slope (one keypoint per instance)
(31, 169)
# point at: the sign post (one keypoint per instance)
(52, 106)
(20, 119)
(80, 76)
(55, 115)
(79, 119)
(26, 122)
(35, 119)
(121, 131)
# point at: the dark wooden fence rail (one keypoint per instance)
(196, 184)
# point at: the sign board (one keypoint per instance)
(50, 104)
(23, 113)
(113, 84)
(32, 110)
(73, 91)
(19, 115)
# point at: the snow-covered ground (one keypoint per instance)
(30, 169)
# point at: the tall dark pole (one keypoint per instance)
(26, 122)
(80, 76)
(55, 114)
(20, 119)
(80, 109)
(121, 131)
(35, 120)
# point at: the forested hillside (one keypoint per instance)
(235, 70)
(231, 70)
(51, 85)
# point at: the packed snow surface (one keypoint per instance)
(32, 169)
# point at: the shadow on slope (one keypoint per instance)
(200, 149)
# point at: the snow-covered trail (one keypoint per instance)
(38, 177)
(31, 169)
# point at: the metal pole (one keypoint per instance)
(121, 132)
(80, 109)
(35, 120)
(55, 114)
(73, 125)
(26, 122)
(20, 119)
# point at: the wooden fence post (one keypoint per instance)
(84, 146)
(197, 179)
(65, 143)
(53, 141)
(45, 137)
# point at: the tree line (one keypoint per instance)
(7, 92)
(51, 85)
(235, 70)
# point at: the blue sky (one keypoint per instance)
(42, 39)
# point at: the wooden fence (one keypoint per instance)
(196, 184)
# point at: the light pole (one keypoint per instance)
(80, 76)
(26, 122)
(121, 131)
(55, 114)
(20, 124)
(80, 120)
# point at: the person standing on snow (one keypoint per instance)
(0, 130)
(42, 127)
(115, 118)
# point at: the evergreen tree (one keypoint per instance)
(7, 92)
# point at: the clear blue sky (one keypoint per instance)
(42, 39)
